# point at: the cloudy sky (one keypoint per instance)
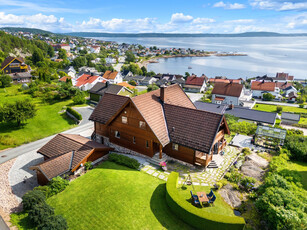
(171, 16)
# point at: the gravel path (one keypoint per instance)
(8, 201)
(21, 178)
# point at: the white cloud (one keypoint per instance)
(181, 18)
(229, 6)
(279, 5)
(203, 20)
(297, 22)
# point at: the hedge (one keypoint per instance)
(124, 160)
(197, 218)
(74, 113)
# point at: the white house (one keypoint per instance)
(113, 77)
(227, 93)
(288, 90)
(70, 70)
(260, 87)
(110, 60)
(86, 82)
(95, 49)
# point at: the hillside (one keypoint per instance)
(27, 30)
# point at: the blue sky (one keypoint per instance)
(170, 16)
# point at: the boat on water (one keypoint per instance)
(189, 67)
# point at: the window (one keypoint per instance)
(147, 144)
(175, 147)
(218, 102)
(117, 134)
(133, 139)
(142, 124)
(124, 120)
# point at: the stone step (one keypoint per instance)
(212, 164)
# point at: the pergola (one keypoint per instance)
(269, 136)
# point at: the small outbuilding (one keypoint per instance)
(290, 118)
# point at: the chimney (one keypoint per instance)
(92, 74)
(162, 93)
(107, 84)
(231, 106)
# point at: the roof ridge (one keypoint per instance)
(63, 134)
(194, 109)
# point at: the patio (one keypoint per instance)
(198, 175)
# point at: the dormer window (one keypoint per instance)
(142, 124)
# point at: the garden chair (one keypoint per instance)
(211, 201)
(195, 200)
(210, 194)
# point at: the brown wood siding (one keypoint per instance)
(41, 179)
(101, 129)
(95, 155)
(184, 154)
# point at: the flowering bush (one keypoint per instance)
(163, 164)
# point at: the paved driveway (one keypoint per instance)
(195, 96)
(85, 113)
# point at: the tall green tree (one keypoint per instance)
(50, 51)
(37, 56)
(129, 57)
(62, 54)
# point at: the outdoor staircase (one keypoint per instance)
(212, 165)
(155, 160)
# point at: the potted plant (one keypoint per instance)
(163, 165)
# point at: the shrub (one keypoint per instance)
(54, 223)
(248, 183)
(301, 105)
(40, 213)
(221, 183)
(45, 189)
(278, 109)
(88, 165)
(57, 185)
(297, 146)
(267, 97)
(246, 151)
(74, 113)
(234, 176)
(124, 160)
(32, 198)
(79, 98)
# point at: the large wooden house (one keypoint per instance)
(14, 65)
(164, 121)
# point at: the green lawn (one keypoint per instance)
(48, 120)
(115, 197)
(301, 167)
(272, 108)
(220, 206)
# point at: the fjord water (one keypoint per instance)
(265, 55)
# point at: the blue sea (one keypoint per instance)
(265, 55)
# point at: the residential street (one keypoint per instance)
(276, 103)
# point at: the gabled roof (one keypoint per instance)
(194, 80)
(125, 84)
(110, 75)
(289, 87)
(290, 116)
(8, 60)
(292, 94)
(102, 88)
(64, 78)
(282, 75)
(227, 89)
(59, 150)
(264, 86)
(217, 80)
(210, 107)
(86, 79)
(192, 128)
(283, 85)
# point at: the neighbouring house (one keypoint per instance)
(227, 93)
(14, 65)
(195, 84)
(65, 154)
(95, 49)
(283, 85)
(113, 77)
(22, 77)
(289, 90)
(100, 88)
(62, 46)
(223, 80)
(110, 60)
(260, 87)
(283, 77)
(292, 96)
(243, 113)
(126, 73)
(70, 71)
(125, 84)
(65, 78)
(290, 118)
(160, 124)
(86, 81)
(147, 81)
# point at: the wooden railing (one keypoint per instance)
(200, 161)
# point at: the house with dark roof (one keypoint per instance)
(245, 114)
(289, 90)
(66, 153)
(14, 65)
(227, 93)
(161, 123)
(100, 88)
(195, 84)
(290, 118)
(22, 77)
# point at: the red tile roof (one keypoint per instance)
(227, 89)
(194, 80)
(214, 80)
(110, 75)
(86, 79)
(63, 79)
(265, 86)
(283, 85)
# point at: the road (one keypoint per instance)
(276, 103)
(85, 113)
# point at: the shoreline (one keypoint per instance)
(155, 59)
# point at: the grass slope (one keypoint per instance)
(48, 120)
(272, 108)
(114, 197)
(301, 167)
